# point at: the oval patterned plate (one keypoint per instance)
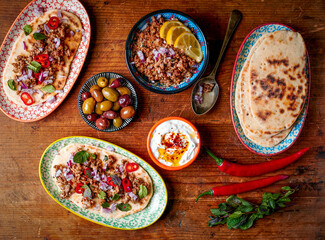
(35, 113)
(242, 55)
(138, 220)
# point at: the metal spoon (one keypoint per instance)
(209, 99)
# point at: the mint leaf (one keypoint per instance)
(39, 36)
(48, 88)
(105, 205)
(236, 214)
(124, 207)
(116, 180)
(34, 66)
(27, 29)
(286, 188)
(87, 192)
(102, 195)
(93, 156)
(81, 157)
(218, 212)
(143, 192)
(116, 197)
(11, 84)
(249, 223)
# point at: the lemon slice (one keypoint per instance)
(174, 32)
(166, 26)
(190, 45)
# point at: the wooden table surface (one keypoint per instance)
(27, 212)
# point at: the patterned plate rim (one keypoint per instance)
(80, 68)
(88, 219)
(135, 103)
(232, 86)
(143, 82)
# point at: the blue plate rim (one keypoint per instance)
(128, 41)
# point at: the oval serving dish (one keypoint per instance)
(92, 81)
(241, 58)
(187, 21)
(138, 220)
(35, 113)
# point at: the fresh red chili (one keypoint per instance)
(131, 167)
(242, 187)
(26, 98)
(110, 182)
(239, 170)
(36, 76)
(87, 172)
(127, 185)
(53, 23)
(45, 64)
(41, 57)
(79, 188)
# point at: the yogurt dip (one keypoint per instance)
(174, 143)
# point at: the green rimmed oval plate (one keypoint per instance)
(135, 221)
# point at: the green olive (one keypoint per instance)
(123, 91)
(102, 82)
(117, 122)
(110, 94)
(116, 107)
(94, 87)
(97, 109)
(88, 105)
(97, 95)
(105, 105)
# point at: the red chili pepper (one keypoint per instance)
(41, 57)
(131, 167)
(26, 98)
(89, 172)
(79, 188)
(45, 64)
(254, 169)
(127, 185)
(110, 182)
(53, 23)
(242, 187)
(36, 76)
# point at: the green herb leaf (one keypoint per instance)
(218, 212)
(116, 197)
(48, 88)
(34, 66)
(249, 223)
(88, 173)
(11, 84)
(102, 195)
(216, 221)
(116, 180)
(27, 29)
(124, 207)
(236, 214)
(81, 157)
(39, 36)
(286, 188)
(143, 192)
(93, 156)
(105, 205)
(272, 203)
(87, 192)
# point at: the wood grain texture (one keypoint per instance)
(27, 212)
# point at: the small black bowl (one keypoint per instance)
(92, 81)
(186, 20)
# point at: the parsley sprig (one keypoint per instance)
(239, 213)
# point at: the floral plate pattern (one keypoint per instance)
(242, 55)
(35, 113)
(138, 220)
(191, 24)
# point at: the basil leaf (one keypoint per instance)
(81, 157)
(87, 192)
(102, 195)
(124, 207)
(249, 223)
(116, 197)
(39, 36)
(34, 66)
(48, 88)
(88, 173)
(27, 29)
(11, 84)
(116, 180)
(143, 192)
(93, 156)
(105, 205)
(236, 214)
(105, 158)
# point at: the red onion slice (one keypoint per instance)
(29, 73)
(133, 196)
(46, 28)
(58, 173)
(141, 56)
(39, 11)
(162, 50)
(24, 44)
(51, 100)
(58, 12)
(107, 210)
(57, 42)
(171, 52)
(51, 58)
(72, 33)
(23, 85)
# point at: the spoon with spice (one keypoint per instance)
(206, 91)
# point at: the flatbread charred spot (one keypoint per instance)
(290, 38)
(281, 110)
(295, 67)
(264, 114)
(292, 78)
(276, 62)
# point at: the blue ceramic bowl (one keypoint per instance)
(143, 80)
(242, 56)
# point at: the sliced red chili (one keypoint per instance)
(127, 185)
(79, 188)
(36, 76)
(110, 182)
(41, 57)
(26, 98)
(45, 64)
(87, 172)
(53, 23)
(131, 167)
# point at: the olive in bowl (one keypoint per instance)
(107, 102)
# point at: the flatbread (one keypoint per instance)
(63, 157)
(61, 74)
(278, 82)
